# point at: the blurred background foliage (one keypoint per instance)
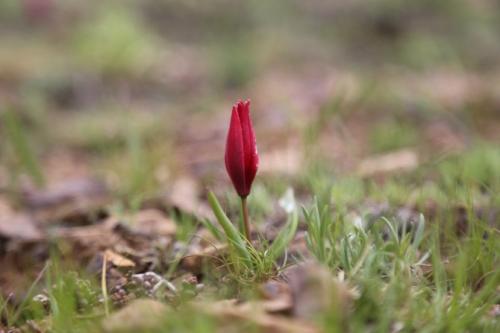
(139, 92)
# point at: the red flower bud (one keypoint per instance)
(241, 156)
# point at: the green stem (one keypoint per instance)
(246, 223)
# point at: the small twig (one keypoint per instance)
(165, 282)
(104, 285)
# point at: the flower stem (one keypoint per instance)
(246, 223)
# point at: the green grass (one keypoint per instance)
(249, 263)
(114, 43)
(419, 275)
(105, 130)
(424, 275)
(19, 141)
(392, 135)
(403, 275)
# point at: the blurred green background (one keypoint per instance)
(139, 92)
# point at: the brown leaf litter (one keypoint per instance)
(70, 200)
(19, 226)
(289, 305)
(396, 161)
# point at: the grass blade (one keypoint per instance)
(286, 235)
(17, 136)
(419, 234)
(233, 236)
(213, 229)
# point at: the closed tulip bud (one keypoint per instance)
(241, 155)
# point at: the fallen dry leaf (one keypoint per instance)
(195, 261)
(230, 312)
(86, 242)
(20, 226)
(142, 315)
(117, 259)
(286, 161)
(315, 290)
(14, 225)
(277, 297)
(153, 222)
(62, 201)
(184, 194)
(97, 236)
(402, 160)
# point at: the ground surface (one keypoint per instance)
(382, 117)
